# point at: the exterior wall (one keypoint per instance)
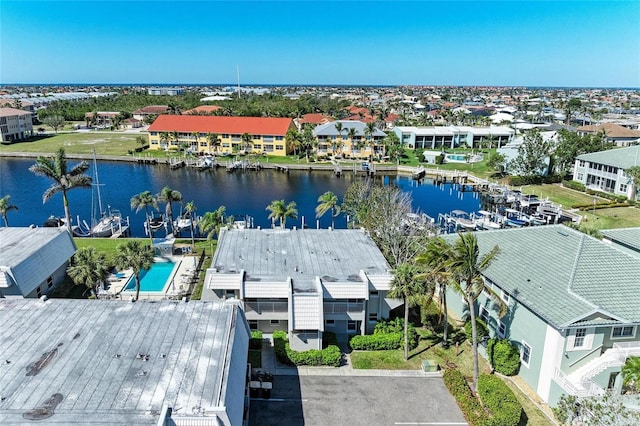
(227, 143)
(15, 127)
(268, 326)
(305, 340)
(592, 348)
(232, 398)
(603, 178)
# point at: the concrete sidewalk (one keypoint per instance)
(271, 364)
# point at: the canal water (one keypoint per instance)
(242, 193)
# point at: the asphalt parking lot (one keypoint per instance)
(339, 400)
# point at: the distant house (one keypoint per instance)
(613, 133)
(268, 135)
(110, 362)
(33, 260)
(604, 170)
(100, 118)
(171, 91)
(151, 110)
(302, 281)
(132, 123)
(573, 306)
(313, 119)
(360, 144)
(15, 125)
(203, 110)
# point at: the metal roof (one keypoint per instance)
(337, 255)
(619, 157)
(329, 129)
(563, 275)
(33, 254)
(628, 237)
(116, 362)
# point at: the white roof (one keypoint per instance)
(31, 255)
(117, 362)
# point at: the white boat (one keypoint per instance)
(484, 220)
(104, 223)
(462, 220)
(154, 223)
(184, 222)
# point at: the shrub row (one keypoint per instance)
(603, 206)
(377, 341)
(331, 355)
(504, 356)
(397, 326)
(533, 180)
(573, 184)
(481, 330)
(256, 340)
(500, 400)
(456, 383)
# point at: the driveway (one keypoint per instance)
(335, 400)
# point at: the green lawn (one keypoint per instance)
(78, 143)
(560, 195)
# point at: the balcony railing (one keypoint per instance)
(266, 307)
(342, 307)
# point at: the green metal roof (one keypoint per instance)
(628, 237)
(564, 275)
(619, 157)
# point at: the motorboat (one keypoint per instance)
(485, 220)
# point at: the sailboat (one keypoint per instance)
(104, 223)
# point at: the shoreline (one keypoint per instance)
(387, 169)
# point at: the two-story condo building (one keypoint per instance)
(573, 306)
(221, 134)
(354, 140)
(303, 281)
(452, 136)
(15, 124)
(604, 170)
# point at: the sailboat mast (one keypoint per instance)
(238, 72)
(97, 183)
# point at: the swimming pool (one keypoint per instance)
(456, 157)
(153, 280)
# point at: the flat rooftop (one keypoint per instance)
(110, 362)
(334, 255)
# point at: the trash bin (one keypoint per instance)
(266, 389)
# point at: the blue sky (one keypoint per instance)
(503, 43)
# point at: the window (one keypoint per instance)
(525, 353)
(623, 332)
(579, 176)
(579, 340)
(623, 187)
(373, 317)
(230, 294)
(279, 138)
(279, 148)
(329, 323)
(373, 294)
(581, 164)
(502, 329)
(274, 322)
(351, 325)
(268, 148)
(257, 146)
(505, 296)
(253, 324)
(484, 314)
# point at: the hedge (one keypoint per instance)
(377, 342)
(573, 184)
(500, 400)
(533, 180)
(256, 340)
(504, 356)
(331, 355)
(481, 329)
(456, 383)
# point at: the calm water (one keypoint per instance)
(242, 193)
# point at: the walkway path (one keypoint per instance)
(271, 364)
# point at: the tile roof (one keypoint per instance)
(618, 157)
(563, 275)
(152, 109)
(612, 130)
(314, 118)
(629, 237)
(10, 112)
(214, 124)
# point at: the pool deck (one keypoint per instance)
(177, 283)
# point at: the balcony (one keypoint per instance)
(266, 307)
(342, 307)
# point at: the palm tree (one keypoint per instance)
(174, 136)
(351, 134)
(213, 140)
(407, 286)
(144, 200)
(191, 208)
(166, 137)
(281, 211)
(211, 222)
(89, 267)
(328, 201)
(466, 266)
(631, 372)
(55, 168)
(133, 255)
(6, 206)
(369, 132)
(195, 136)
(339, 129)
(434, 259)
(247, 140)
(169, 196)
